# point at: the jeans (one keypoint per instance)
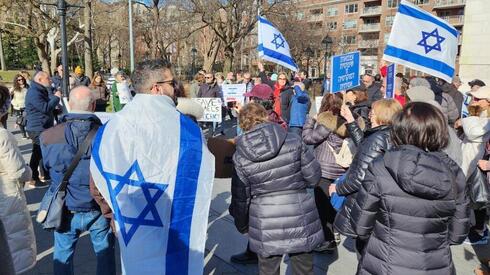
(326, 211)
(101, 236)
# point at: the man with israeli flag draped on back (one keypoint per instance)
(422, 41)
(273, 46)
(152, 166)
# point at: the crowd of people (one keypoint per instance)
(402, 176)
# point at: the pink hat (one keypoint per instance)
(262, 91)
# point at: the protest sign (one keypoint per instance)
(212, 108)
(345, 71)
(390, 81)
(124, 93)
(318, 103)
(234, 92)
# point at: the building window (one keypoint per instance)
(316, 11)
(300, 15)
(350, 24)
(421, 2)
(332, 12)
(387, 37)
(332, 25)
(389, 20)
(352, 8)
(316, 25)
(393, 3)
(349, 39)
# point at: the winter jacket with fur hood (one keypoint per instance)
(276, 168)
(327, 132)
(13, 207)
(412, 206)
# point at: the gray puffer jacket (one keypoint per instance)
(276, 168)
(412, 206)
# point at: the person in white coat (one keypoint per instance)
(14, 172)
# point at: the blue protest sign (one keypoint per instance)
(345, 71)
(390, 81)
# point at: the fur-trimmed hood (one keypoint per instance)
(336, 123)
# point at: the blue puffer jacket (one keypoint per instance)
(59, 146)
(40, 104)
(299, 108)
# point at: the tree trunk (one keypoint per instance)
(228, 63)
(3, 67)
(154, 32)
(210, 58)
(88, 38)
(41, 52)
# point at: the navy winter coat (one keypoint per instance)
(40, 104)
(59, 146)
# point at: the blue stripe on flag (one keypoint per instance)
(279, 56)
(430, 63)
(190, 155)
(404, 9)
(265, 21)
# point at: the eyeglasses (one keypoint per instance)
(170, 82)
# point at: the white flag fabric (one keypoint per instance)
(152, 166)
(422, 41)
(273, 46)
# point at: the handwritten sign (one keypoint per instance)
(390, 81)
(212, 108)
(345, 71)
(234, 92)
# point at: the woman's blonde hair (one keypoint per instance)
(385, 110)
(252, 114)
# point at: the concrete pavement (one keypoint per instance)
(222, 241)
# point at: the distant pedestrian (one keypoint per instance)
(80, 78)
(101, 93)
(40, 105)
(373, 88)
(18, 93)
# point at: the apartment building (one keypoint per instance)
(365, 25)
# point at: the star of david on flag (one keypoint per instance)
(272, 46)
(149, 200)
(422, 41)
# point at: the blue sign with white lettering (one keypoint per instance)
(390, 81)
(346, 70)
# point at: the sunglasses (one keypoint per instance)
(170, 82)
(208, 77)
(20, 79)
(282, 78)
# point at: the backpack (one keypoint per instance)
(346, 154)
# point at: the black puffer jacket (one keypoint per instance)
(276, 168)
(372, 144)
(412, 206)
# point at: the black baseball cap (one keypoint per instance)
(476, 82)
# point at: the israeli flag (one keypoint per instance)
(423, 42)
(152, 166)
(273, 46)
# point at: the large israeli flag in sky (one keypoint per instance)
(153, 167)
(273, 46)
(422, 41)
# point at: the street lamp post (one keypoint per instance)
(328, 47)
(309, 53)
(193, 69)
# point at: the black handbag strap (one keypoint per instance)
(74, 163)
